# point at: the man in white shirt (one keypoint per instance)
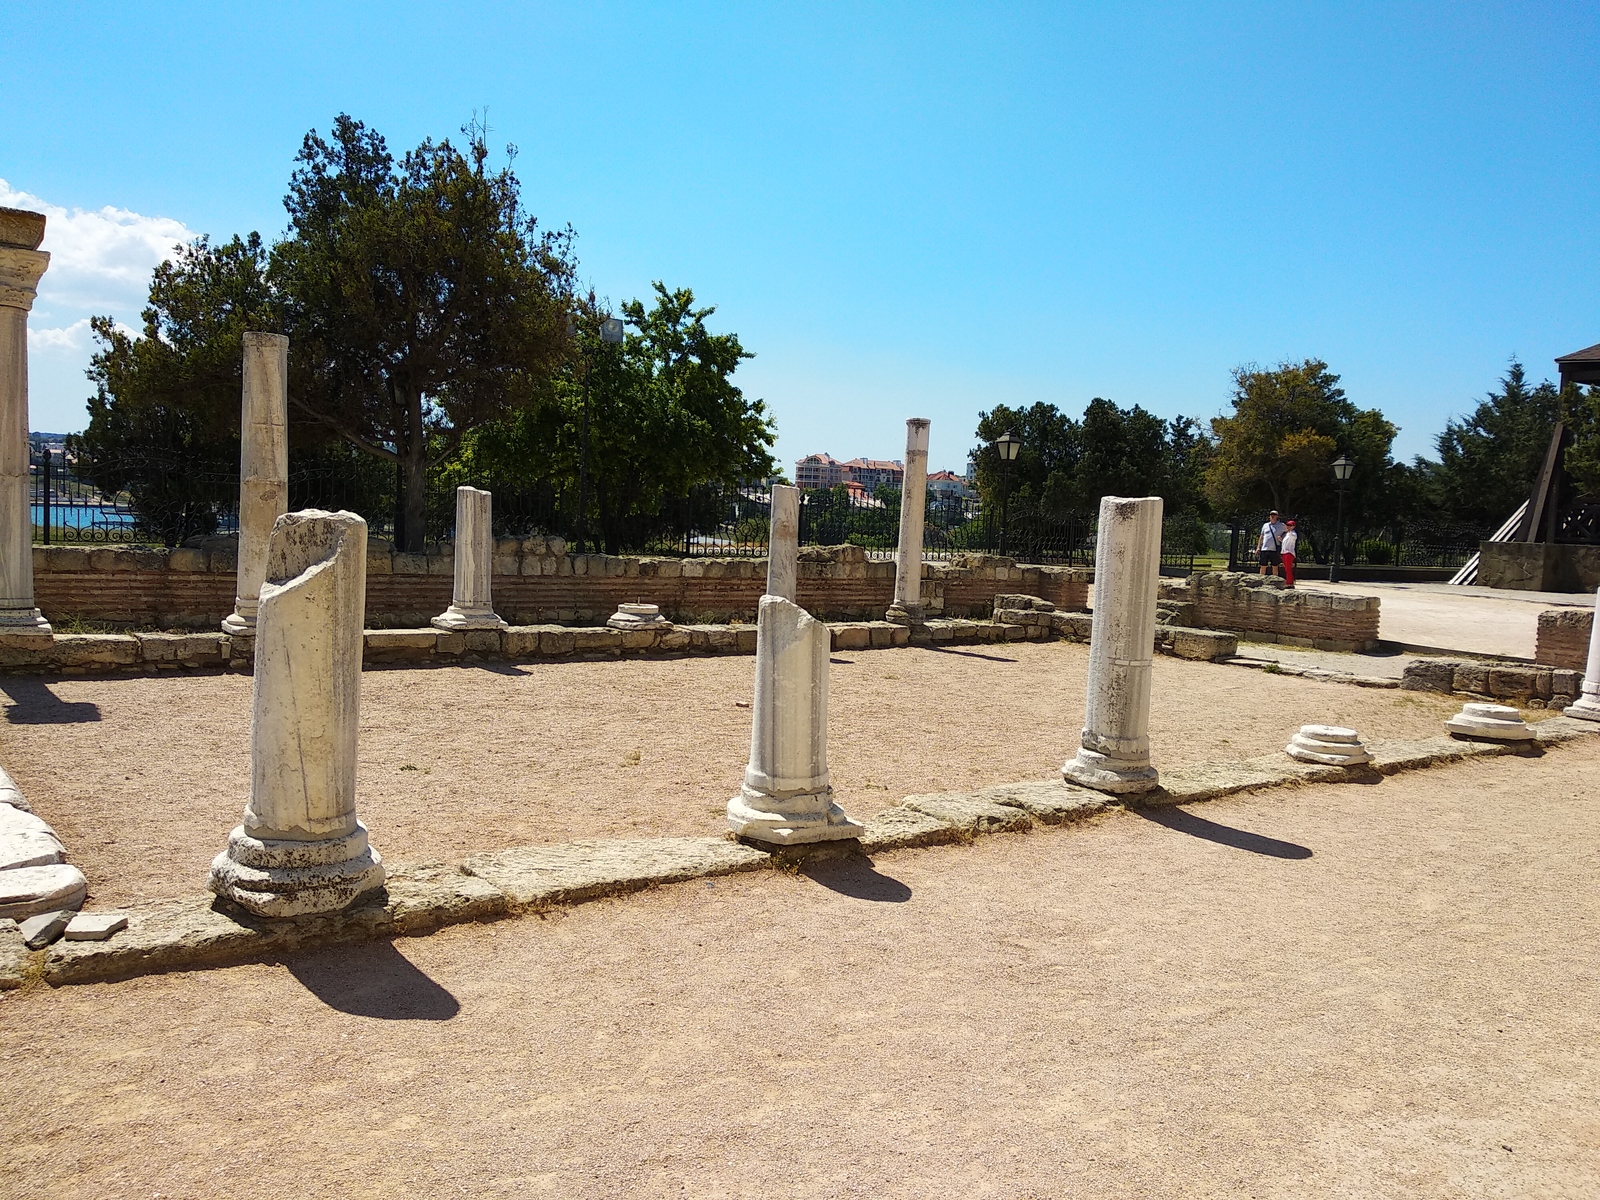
(1271, 545)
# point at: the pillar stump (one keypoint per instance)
(263, 469)
(300, 849)
(1115, 752)
(783, 544)
(907, 606)
(1587, 705)
(22, 264)
(472, 606)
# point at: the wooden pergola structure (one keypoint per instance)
(1581, 366)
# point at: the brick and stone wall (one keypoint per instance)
(1261, 608)
(535, 581)
(1532, 687)
(1564, 638)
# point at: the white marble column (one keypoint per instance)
(1587, 706)
(1115, 751)
(263, 468)
(301, 849)
(472, 606)
(21, 265)
(783, 544)
(787, 798)
(907, 606)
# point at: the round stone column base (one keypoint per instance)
(456, 619)
(24, 621)
(1092, 769)
(904, 614)
(273, 877)
(1585, 708)
(812, 817)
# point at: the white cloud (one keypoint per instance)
(100, 265)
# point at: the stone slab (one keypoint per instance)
(970, 813)
(29, 890)
(95, 927)
(40, 930)
(1049, 801)
(426, 897)
(905, 828)
(26, 841)
(15, 957)
(594, 867)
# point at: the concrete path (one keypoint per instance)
(1472, 619)
(1337, 990)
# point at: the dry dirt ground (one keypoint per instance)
(143, 776)
(1363, 991)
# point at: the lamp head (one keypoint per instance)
(1342, 468)
(1009, 445)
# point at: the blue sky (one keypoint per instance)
(904, 210)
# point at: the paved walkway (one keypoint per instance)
(1384, 990)
(1473, 619)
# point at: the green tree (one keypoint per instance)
(1276, 449)
(669, 430)
(164, 419)
(421, 301)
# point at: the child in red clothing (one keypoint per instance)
(1290, 540)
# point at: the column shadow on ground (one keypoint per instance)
(1223, 835)
(972, 654)
(33, 703)
(374, 980)
(858, 879)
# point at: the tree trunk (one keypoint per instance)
(414, 474)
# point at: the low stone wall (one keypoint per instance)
(1538, 566)
(1531, 687)
(1041, 619)
(1263, 610)
(1564, 638)
(535, 581)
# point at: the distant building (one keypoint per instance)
(947, 485)
(818, 471)
(874, 473)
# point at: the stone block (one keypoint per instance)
(851, 637)
(440, 564)
(428, 897)
(591, 640)
(198, 648)
(41, 930)
(673, 639)
(638, 639)
(669, 568)
(745, 639)
(481, 641)
(95, 927)
(410, 564)
(94, 650)
(188, 559)
(1564, 682)
(26, 840)
(450, 644)
(585, 870)
(969, 813)
(1051, 801)
(1511, 682)
(403, 644)
(225, 559)
(901, 828)
(507, 564)
(563, 564)
(519, 641)
(1203, 645)
(60, 558)
(878, 633)
(556, 641)
(1428, 675)
(1472, 677)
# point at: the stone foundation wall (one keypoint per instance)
(1538, 566)
(1564, 638)
(1262, 609)
(535, 581)
(1531, 687)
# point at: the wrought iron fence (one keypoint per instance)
(1439, 545)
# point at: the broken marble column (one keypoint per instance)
(1328, 745)
(907, 606)
(1587, 705)
(21, 265)
(472, 606)
(1489, 723)
(263, 468)
(300, 849)
(1115, 752)
(787, 798)
(783, 544)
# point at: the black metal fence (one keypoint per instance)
(1436, 545)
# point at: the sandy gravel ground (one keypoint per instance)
(143, 776)
(1364, 991)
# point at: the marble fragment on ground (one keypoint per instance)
(95, 927)
(27, 891)
(1489, 722)
(1330, 745)
(44, 928)
(26, 840)
(300, 849)
(1114, 751)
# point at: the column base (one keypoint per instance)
(24, 621)
(289, 878)
(457, 619)
(1585, 708)
(761, 818)
(238, 624)
(905, 614)
(1091, 769)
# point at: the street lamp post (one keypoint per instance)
(1009, 444)
(1342, 467)
(610, 331)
